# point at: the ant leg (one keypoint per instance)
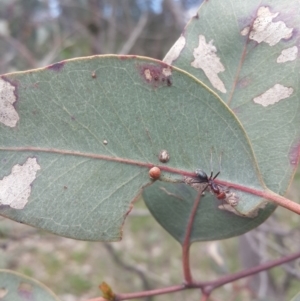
(211, 168)
(220, 161)
(204, 189)
(216, 175)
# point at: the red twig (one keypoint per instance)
(209, 286)
(206, 287)
(187, 241)
(267, 194)
(166, 290)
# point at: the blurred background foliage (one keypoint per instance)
(35, 33)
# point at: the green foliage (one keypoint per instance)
(15, 287)
(92, 127)
(87, 131)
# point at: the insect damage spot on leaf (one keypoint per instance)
(207, 60)
(8, 114)
(265, 30)
(164, 156)
(57, 66)
(148, 75)
(175, 51)
(15, 188)
(156, 75)
(273, 95)
(288, 54)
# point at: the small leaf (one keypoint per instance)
(107, 291)
(17, 287)
(171, 205)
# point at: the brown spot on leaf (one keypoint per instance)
(57, 66)
(156, 75)
(94, 75)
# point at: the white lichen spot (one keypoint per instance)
(175, 51)
(273, 95)
(245, 31)
(167, 71)
(8, 114)
(207, 60)
(15, 188)
(265, 30)
(288, 54)
(148, 75)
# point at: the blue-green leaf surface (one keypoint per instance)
(248, 53)
(17, 287)
(77, 140)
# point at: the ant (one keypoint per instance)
(220, 192)
(216, 189)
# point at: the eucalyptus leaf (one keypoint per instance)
(17, 287)
(248, 53)
(171, 205)
(78, 138)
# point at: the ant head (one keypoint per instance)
(202, 176)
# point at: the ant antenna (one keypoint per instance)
(220, 161)
(211, 167)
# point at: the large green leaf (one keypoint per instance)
(17, 287)
(77, 143)
(248, 53)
